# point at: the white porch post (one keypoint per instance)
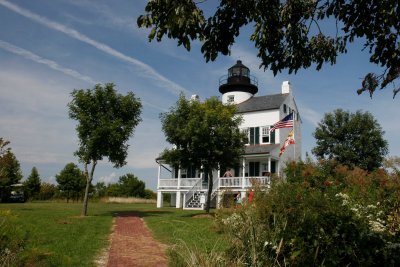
(269, 164)
(178, 200)
(159, 199)
(244, 172)
(179, 177)
(159, 175)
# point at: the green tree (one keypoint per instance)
(114, 190)
(205, 135)
(71, 181)
(288, 34)
(32, 184)
(100, 189)
(10, 170)
(352, 139)
(131, 186)
(47, 191)
(106, 121)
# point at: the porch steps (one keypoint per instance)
(194, 203)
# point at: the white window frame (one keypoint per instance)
(265, 132)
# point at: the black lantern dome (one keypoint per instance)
(238, 79)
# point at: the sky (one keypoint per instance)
(50, 48)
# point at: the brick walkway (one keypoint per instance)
(133, 245)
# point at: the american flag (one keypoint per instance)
(286, 122)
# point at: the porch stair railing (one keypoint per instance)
(190, 195)
(215, 188)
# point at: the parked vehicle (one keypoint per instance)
(17, 193)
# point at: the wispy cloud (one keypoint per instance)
(147, 71)
(310, 115)
(108, 179)
(51, 64)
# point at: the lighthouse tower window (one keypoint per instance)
(231, 98)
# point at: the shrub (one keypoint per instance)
(323, 215)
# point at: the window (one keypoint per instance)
(231, 98)
(284, 108)
(265, 134)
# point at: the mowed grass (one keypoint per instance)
(57, 236)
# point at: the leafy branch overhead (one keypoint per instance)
(288, 34)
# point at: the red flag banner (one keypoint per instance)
(289, 141)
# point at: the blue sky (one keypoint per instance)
(49, 48)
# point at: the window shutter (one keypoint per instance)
(251, 135)
(257, 135)
(272, 137)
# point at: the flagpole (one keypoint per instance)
(294, 138)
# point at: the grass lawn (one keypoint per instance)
(58, 236)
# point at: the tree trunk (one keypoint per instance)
(210, 187)
(85, 198)
(89, 177)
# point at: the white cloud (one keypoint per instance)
(147, 71)
(310, 115)
(146, 145)
(51, 64)
(108, 179)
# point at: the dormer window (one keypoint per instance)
(231, 98)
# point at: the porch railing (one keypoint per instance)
(219, 182)
(173, 183)
(237, 182)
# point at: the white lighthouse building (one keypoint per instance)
(261, 158)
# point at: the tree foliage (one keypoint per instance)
(106, 121)
(352, 139)
(48, 191)
(131, 186)
(71, 181)
(32, 184)
(205, 135)
(10, 170)
(288, 34)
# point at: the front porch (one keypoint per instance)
(191, 193)
(188, 187)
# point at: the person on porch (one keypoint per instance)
(228, 173)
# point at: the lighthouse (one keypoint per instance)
(238, 86)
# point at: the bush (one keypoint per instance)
(323, 215)
(149, 194)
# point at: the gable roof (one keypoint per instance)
(258, 103)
